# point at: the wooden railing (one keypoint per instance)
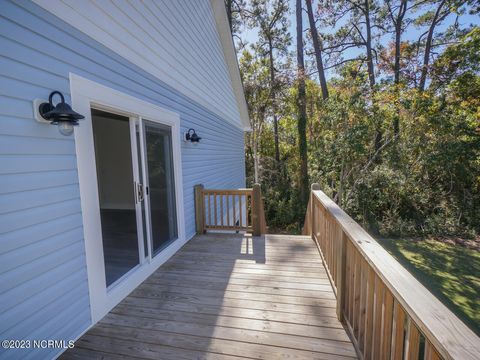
(229, 209)
(387, 312)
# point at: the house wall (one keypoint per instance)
(176, 41)
(43, 278)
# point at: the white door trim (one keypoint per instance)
(85, 94)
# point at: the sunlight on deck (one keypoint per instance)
(227, 296)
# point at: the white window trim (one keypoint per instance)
(85, 94)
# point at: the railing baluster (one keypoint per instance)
(314, 220)
(430, 352)
(323, 234)
(356, 291)
(221, 210)
(351, 281)
(333, 258)
(367, 351)
(341, 267)
(363, 306)
(387, 323)
(248, 209)
(215, 208)
(228, 210)
(209, 211)
(398, 331)
(335, 250)
(413, 342)
(326, 242)
(234, 201)
(377, 318)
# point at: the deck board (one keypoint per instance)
(226, 296)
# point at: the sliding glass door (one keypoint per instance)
(158, 161)
(136, 187)
(116, 180)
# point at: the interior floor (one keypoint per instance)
(120, 242)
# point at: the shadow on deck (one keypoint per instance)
(225, 296)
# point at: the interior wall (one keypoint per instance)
(114, 168)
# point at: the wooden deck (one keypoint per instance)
(226, 296)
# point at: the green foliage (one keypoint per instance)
(461, 60)
(425, 181)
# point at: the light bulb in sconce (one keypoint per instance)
(65, 128)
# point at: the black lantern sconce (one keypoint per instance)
(60, 114)
(192, 136)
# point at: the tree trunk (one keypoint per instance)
(302, 109)
(428, 47)
(396, 70)
(255, 159)
(273, 99)
(318, 50)
(370, 67)
(368, 43)
(398, 21)
(398, 42)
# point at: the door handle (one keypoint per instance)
(139, 192)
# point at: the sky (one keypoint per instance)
(251, 35)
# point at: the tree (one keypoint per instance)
(352, 21)
(255, 74)
(358, 20)
(425, 182)
(458, 62)
(269, 16)
(235, 12)
(440, 13)
(302, 109)
(396, 13)
(368, 39)
(318, 49)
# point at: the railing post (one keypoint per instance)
(314, 186)
(341, 247)
(256, 208)
(199, 209)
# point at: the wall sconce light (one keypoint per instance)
(60, 114)
(192, 136)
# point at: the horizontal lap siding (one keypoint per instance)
(43, 279)
(174, 40)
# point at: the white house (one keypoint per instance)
(85, 218)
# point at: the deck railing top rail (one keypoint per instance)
(388, 312)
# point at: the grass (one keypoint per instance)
(450, 272)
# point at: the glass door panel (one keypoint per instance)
(116, 190)
(161, 185)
